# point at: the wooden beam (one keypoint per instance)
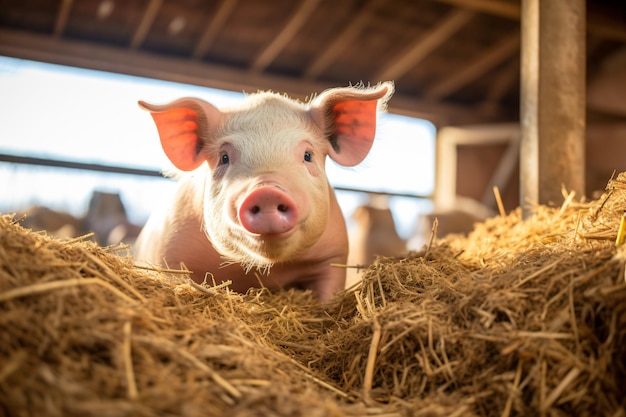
(298, 19)
(606, 29)
(495, 7)
(62, 17)
(93, 56)
(89, 55)
(449, 138)
(224, 11)
(596, 25)
(552, 101)
(503, 82)
(146, 22)
(494, 56)
(345, 39)
(423, 46)
(440, 114)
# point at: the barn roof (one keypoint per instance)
(453, 61)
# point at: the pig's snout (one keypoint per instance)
(268, 211)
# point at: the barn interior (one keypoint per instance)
(528, 101)
(456, 64)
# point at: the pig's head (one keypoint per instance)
(267, 198)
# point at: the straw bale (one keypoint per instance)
(521, 317)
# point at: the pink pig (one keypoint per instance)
(257, 198)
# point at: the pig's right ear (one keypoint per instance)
(183, 125)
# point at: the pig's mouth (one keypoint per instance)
(276, 246)
(263, 250)
(276, 236)
(259, 250)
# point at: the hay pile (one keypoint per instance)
(520, 318)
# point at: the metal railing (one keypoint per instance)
(28, 160)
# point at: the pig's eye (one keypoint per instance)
(307, 156)
(224, 159)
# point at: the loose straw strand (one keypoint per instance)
(128, 363)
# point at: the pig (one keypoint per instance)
(57, 223)
(106, 217)
(373, 235)
(255, 205)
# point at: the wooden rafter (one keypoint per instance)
(89, 55)
(146, 22)
(435, 101)
(597, 26)
(343, 40)
(495, 7)
(224, 11)
(603, 28)
(500, 85)
(299, 18)
(423, 46)
(62, 17)
(492, 57)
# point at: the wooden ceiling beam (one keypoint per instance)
(297, 20)
(94, 56)
(603, 28)
(146, 22)
(503, 82)
(440, 114)
(343, 40)
(62, 17)
(492, 57)
(423, 46)
(224, 11)
(495, 7)
(596, 25)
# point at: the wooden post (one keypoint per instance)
(552, 101)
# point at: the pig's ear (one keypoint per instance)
(348, 118)
(183, 125)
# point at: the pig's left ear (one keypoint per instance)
(348, 118)
(183, 125)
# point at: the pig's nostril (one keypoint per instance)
(282, 208)
(255, 209)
